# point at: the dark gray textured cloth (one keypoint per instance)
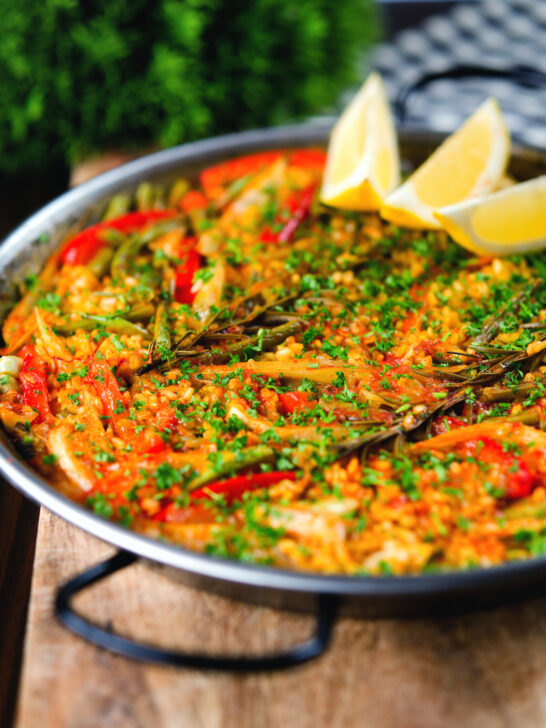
(499, 33)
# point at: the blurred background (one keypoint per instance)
(122, 77)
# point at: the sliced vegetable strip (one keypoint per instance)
(83, 247)
(107, 387)
(33, 378)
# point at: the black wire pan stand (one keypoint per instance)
(310, 649)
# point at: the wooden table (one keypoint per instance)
(18, 521)
(486, 670)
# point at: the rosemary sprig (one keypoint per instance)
(492, 326)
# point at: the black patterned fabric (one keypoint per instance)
(494, 33)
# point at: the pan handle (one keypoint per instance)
(303, 652)
(521, 75)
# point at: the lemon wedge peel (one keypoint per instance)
(363, 164)
(470, 162)
(507, 222)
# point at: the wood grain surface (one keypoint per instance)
(485, 670)
(18, 523)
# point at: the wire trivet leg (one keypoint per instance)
(308, 650)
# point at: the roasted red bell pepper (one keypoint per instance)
(232, 489)
(193, 200)
(294, 401)
(185, 272)
(520, 481)
(107, 387)
(150, 441)
(82, 247)
(225, 173)
(33, 378)
(298, 209)
(308, 158)
(411, 321)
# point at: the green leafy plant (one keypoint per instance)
(77, 77)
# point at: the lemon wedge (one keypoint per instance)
(362, 166)
(503, 223)
(469, 163)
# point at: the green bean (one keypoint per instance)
(124, 254)
(145, 196)
(138, 313)
(525, 508)
(99, 264)
(118, 205)
(507, 394)
(117, 325)
(141, 312)
(178, 190)
(41, 286)
(133, 245)
(122, 326)
(525, 417)
(162, 334)
(232, 462)
(233, 191)
(113, 237)
(264, 340)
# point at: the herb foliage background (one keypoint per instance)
(79, 77)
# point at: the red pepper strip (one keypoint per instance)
(150, 441)
(232, 489)
(308, 158)
(294, 401)
(193, 200)
(82, 247)
(299, 214)
(107, 387)
(410, 322)
(33, 378)
(298, 207)
(142, 441)
(185, 273)
(227, 172)
(520, 481)
(268, 236)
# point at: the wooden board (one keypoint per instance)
(485, 670)
(18, 523)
